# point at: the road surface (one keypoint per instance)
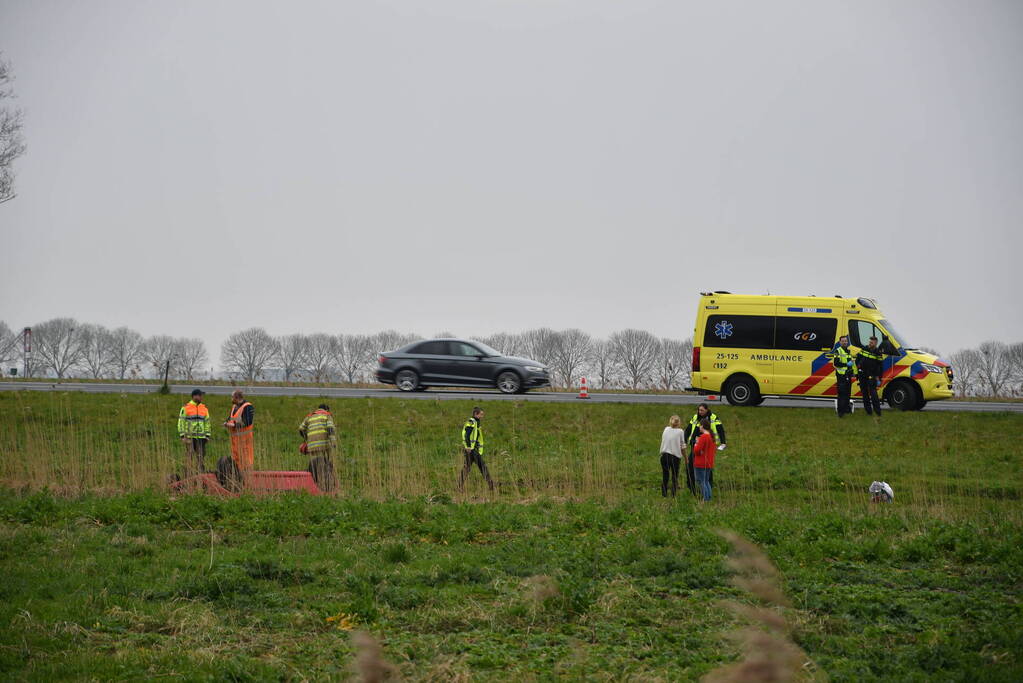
(470, 395)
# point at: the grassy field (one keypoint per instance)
(574, 568)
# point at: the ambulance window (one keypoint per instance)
(860, 332)
(805, 334)
(739, 331)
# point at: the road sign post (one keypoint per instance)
(26, 335)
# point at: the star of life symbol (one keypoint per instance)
(723, 329)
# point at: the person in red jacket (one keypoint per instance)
(703, 458)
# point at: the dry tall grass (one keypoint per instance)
(396, 449)
(769, 654)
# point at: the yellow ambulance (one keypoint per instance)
(749, 347)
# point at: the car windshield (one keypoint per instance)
(894, 334)
(486, 349)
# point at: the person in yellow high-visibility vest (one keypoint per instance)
(194, 431)
(239, 425)
(471, 436)
(844, 371)
(320, 440)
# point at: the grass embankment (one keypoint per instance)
(575, 567)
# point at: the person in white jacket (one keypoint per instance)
(672, 445)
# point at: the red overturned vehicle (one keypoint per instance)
(229, 481)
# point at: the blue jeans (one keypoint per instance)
(703, 480)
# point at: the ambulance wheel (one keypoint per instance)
(903, 395)
(406, 380)
(743, 391)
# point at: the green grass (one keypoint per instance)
(576, 568)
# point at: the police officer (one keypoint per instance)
(717, 430)
(472, 448)
(844, 370)
(869, 365)
(195, 431)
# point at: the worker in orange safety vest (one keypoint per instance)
(239, 425)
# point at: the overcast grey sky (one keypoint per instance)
(196, 168)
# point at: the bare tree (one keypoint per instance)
(158, 351)
(540, 344)
(572, 349)
(508, 344)
(59, 344)
(96, 350)
(602, 358)
(686, 375)
(352, 354)
(12, 145)
(1014, 353)
(320, 356)
(8, 345)
(636, 352)
(966, 366)
(190, 356)
(127, 350)
(995, 368)
(389, 340)
(673, 363)
(292, 350)
(247, 353)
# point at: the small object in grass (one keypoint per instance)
(881, 492)
(343, 621)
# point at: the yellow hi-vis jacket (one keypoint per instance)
(318, 431)
(194, 421)
(843, 361)
(472, 435)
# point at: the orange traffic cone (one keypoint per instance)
(582, 389)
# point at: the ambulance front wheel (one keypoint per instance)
(904, 395)
(743, 391)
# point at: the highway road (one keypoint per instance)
(469, 395)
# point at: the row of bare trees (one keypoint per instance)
(254, 354)
(629, 358)
(992, 369)
(64, 348)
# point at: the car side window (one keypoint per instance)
(431, 348)
(860, 332)
(463, 349)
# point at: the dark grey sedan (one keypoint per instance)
(458, 363)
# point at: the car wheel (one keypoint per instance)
(743, 391)
(509, 383)
(406, 380)
(903, 395)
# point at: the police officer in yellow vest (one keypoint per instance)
(471, 437)
(870, 366)
(195, 430)
(844, 371)
(717, 430)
